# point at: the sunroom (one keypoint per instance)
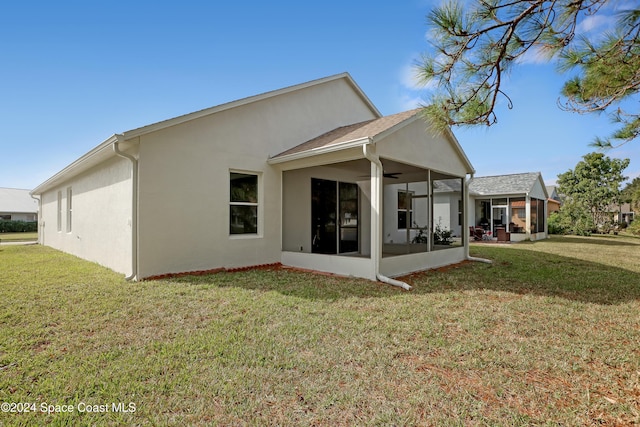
(367, 201)
(509, 207)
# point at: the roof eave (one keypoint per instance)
(81, 164)
(456, 144)
(319, 151)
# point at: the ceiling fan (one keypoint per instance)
(392, 175)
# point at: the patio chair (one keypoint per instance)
(476, 232)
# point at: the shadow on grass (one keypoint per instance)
(516, 271)
(536, 273)
(294, 283)
(598, 240)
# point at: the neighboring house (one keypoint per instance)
(17, 205)
(311, 176)
(621, 213)
(553, 202)
(515, 203)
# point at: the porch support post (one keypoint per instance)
(527, 223)
(376, 214)
(465, 215)
(430, 211)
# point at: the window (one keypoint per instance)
(69, 209)
(243, 203)
(405, 209)
(59, 210)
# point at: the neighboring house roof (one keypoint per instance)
(104, 150)
(16, 200)
(619, 207)
(519, 183)
(447, 186)
(552, 190)
(351, 133)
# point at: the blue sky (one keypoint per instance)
(75, 72)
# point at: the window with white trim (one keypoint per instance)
(243, 203)
(59, 211)
(69, 208)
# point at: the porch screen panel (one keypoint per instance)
(517, 207)
(348, 195)
(541, 216)
(534, 215)
(447, 213)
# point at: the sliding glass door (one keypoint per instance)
(334, 217)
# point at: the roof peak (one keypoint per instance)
(508, 174)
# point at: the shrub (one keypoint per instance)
(554, 224)
(634, 228)
(573, 218)
(18, 226)
(441, 235)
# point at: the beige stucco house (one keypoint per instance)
(311, 176)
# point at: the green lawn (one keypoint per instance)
(547, 335)
(16, 237)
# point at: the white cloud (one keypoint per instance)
(596, 22)
(534, 55)
(411, 92)
(408, 102)
(409, 77)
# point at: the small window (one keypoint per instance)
(59, 210)
(69, 209)
(243, 204)
(405, 209)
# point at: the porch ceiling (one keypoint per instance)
(397, 172)
(408, 173)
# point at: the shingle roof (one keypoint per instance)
(447, 186)
(503, 184)
(366, 129)
(13, 200)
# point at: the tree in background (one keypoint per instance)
(631, 194)
(477, 42)
(590, 189)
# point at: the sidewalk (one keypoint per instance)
(18, 242)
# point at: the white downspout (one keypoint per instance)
(376, 220)
(134, 206)
(465, 222)
(40, 226)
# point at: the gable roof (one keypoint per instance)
(243, 101)
(519, 183)
(356, 133)
(15, 200)
(105, 151)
